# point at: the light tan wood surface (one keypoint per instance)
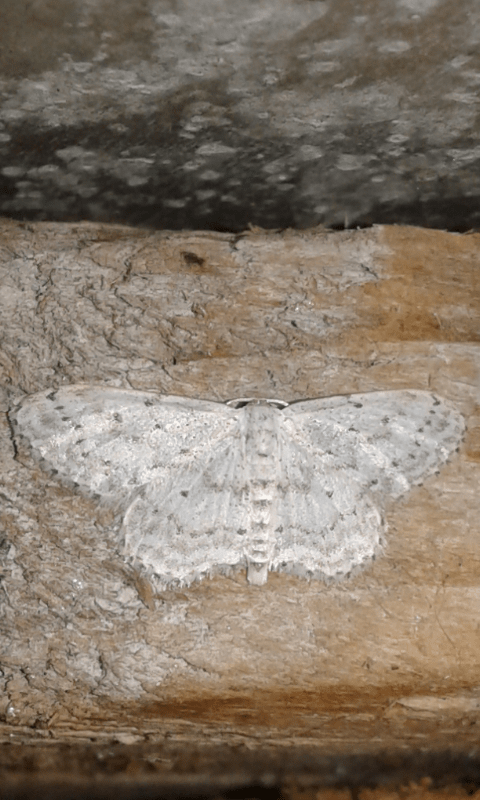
(88, 648)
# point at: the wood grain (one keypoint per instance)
(289, 315)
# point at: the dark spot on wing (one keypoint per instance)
(51, 396)
(386, 420)
(329, 492)
(117, 417)
(293, 323)
(77, 427)
(79, 441)
(395, 464)
(261, 503)
(65, 419)
(149, 402)
(436, 402)
(358, 405)
(184, 493)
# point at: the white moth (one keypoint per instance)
(206, 487)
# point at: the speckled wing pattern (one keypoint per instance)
(108, 442)
(363, 449)
(207, 487)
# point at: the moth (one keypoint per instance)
(207, 487)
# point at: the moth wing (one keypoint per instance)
(195, 523)
(329, 522)
(109, 441)
(392, 439)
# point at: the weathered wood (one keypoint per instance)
(290, 315)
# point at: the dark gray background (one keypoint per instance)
(213, 114)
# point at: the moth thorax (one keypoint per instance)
(262, 442)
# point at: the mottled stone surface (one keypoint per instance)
(213, 115)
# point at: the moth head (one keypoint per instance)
(241, 402)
